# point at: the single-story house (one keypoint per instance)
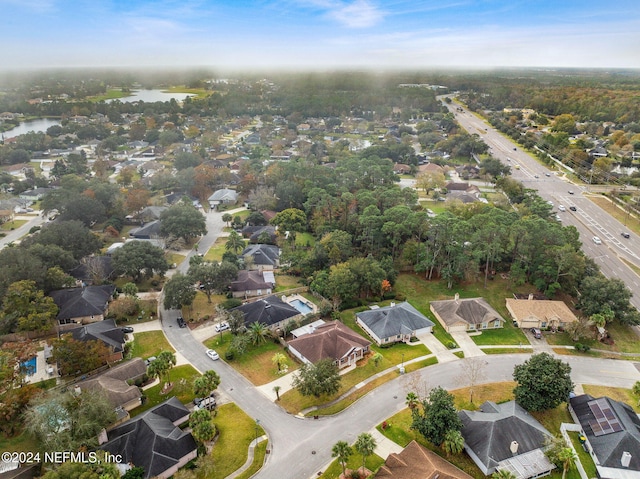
(35, 194)
(270, 311)
(147, 231)
(224, 196)
(255, 233)
(612, 432)
(153, 440)
(468, 314)
(115, 383)
(393, 323)
(106, 331)
(331, 340)
(82, 305)
(150, 213)
(542, 314)
(263, 256)
(505, 436)
(252, 283)
(418, 462)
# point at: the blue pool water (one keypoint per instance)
(300, 306)
(29, 366)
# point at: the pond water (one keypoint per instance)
(150, 96)
(39, 125)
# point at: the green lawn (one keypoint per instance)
(625, 340)
(334, 470)
(217, 250)
(147, 312)
(149, 343)
(24, 442)
(11, 225)
(509, 335)
(585, 458)
(259, 454)
(237, 430)
(619, 394)
(285, 282)
(182, 378)
(256, 364)
(305, 239)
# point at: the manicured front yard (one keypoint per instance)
(182, 378)
(509, 335)
(625, 339)
(334, 470)
(149, 343)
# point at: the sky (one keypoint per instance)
(320, 35)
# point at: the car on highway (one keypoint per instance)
(597, 240)
(223, 326)
(547, 174)
(212, 354)
(573, 208)
(624, 234)
(181, 322)
(561, 208)
(570, 192)
(536, 176)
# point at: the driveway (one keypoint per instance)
(467, 345)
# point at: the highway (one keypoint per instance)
(589, 219)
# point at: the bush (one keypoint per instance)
(34, 229)
(231, 303)
(229, 355)
(452, 345)
(582, 347)
(401, 297)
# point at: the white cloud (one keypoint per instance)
(358, 14)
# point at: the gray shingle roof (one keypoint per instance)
(151, 440)
(268, 311)
(81, 302)
(469, 310)
(490, 431)
(263, 254)
(393, 320)
(105, 331)
(609, 447)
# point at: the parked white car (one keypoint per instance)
(212, 354)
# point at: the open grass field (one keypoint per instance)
(201, 307)
(509, 335)
(217, 250)
(285, 282)
(149, 343)
(148, 312)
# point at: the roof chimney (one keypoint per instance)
(625, 460)
(392, 304)
(514, 447)
(530, 298)
(456, 297)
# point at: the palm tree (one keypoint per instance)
(503, 474)
(342, 451)
(226, 217)
(169, 361)
(276, 389)
(258, 333)
(568, 459)
(365, 445)
(234, 243)
(279, 360)
(453, 442)
(412, 400)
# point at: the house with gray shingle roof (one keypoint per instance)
(394, 323)
(263, 256)
(105, 331)
(224, 196)
(505, 436)
(332, 340)
(84, 305)
(612, 430)
(466, 314)
(270, 311)
(153, 440)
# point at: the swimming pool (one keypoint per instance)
(300, 306)
(29, 366)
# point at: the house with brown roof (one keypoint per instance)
(542, 314)
(331, 340)
(418, 462)
(466, 314)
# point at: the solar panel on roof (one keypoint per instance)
(605, 421)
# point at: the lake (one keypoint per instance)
(150, 96)
(39, 125)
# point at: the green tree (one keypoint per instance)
(161, 366)
(79, 357)
(503, 474)
(213, 277)
(28, 308)
(292, 220)
(544, 382)
(179, 292)
(598, 293)
(636, 390)
(71, 236)
(139, 259)
(206, 384)
(436, 416)
(560, 454)
(365, 445)
(130, 289)
(342, 451)
(280, 360)
(412, 400)
(317, 379)
(65, 421)
(234, 243)
(227, 217)
(135, 472)
(101, 469)
(182, 220)
(201, 426)
(453, 442)
(258, 333)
